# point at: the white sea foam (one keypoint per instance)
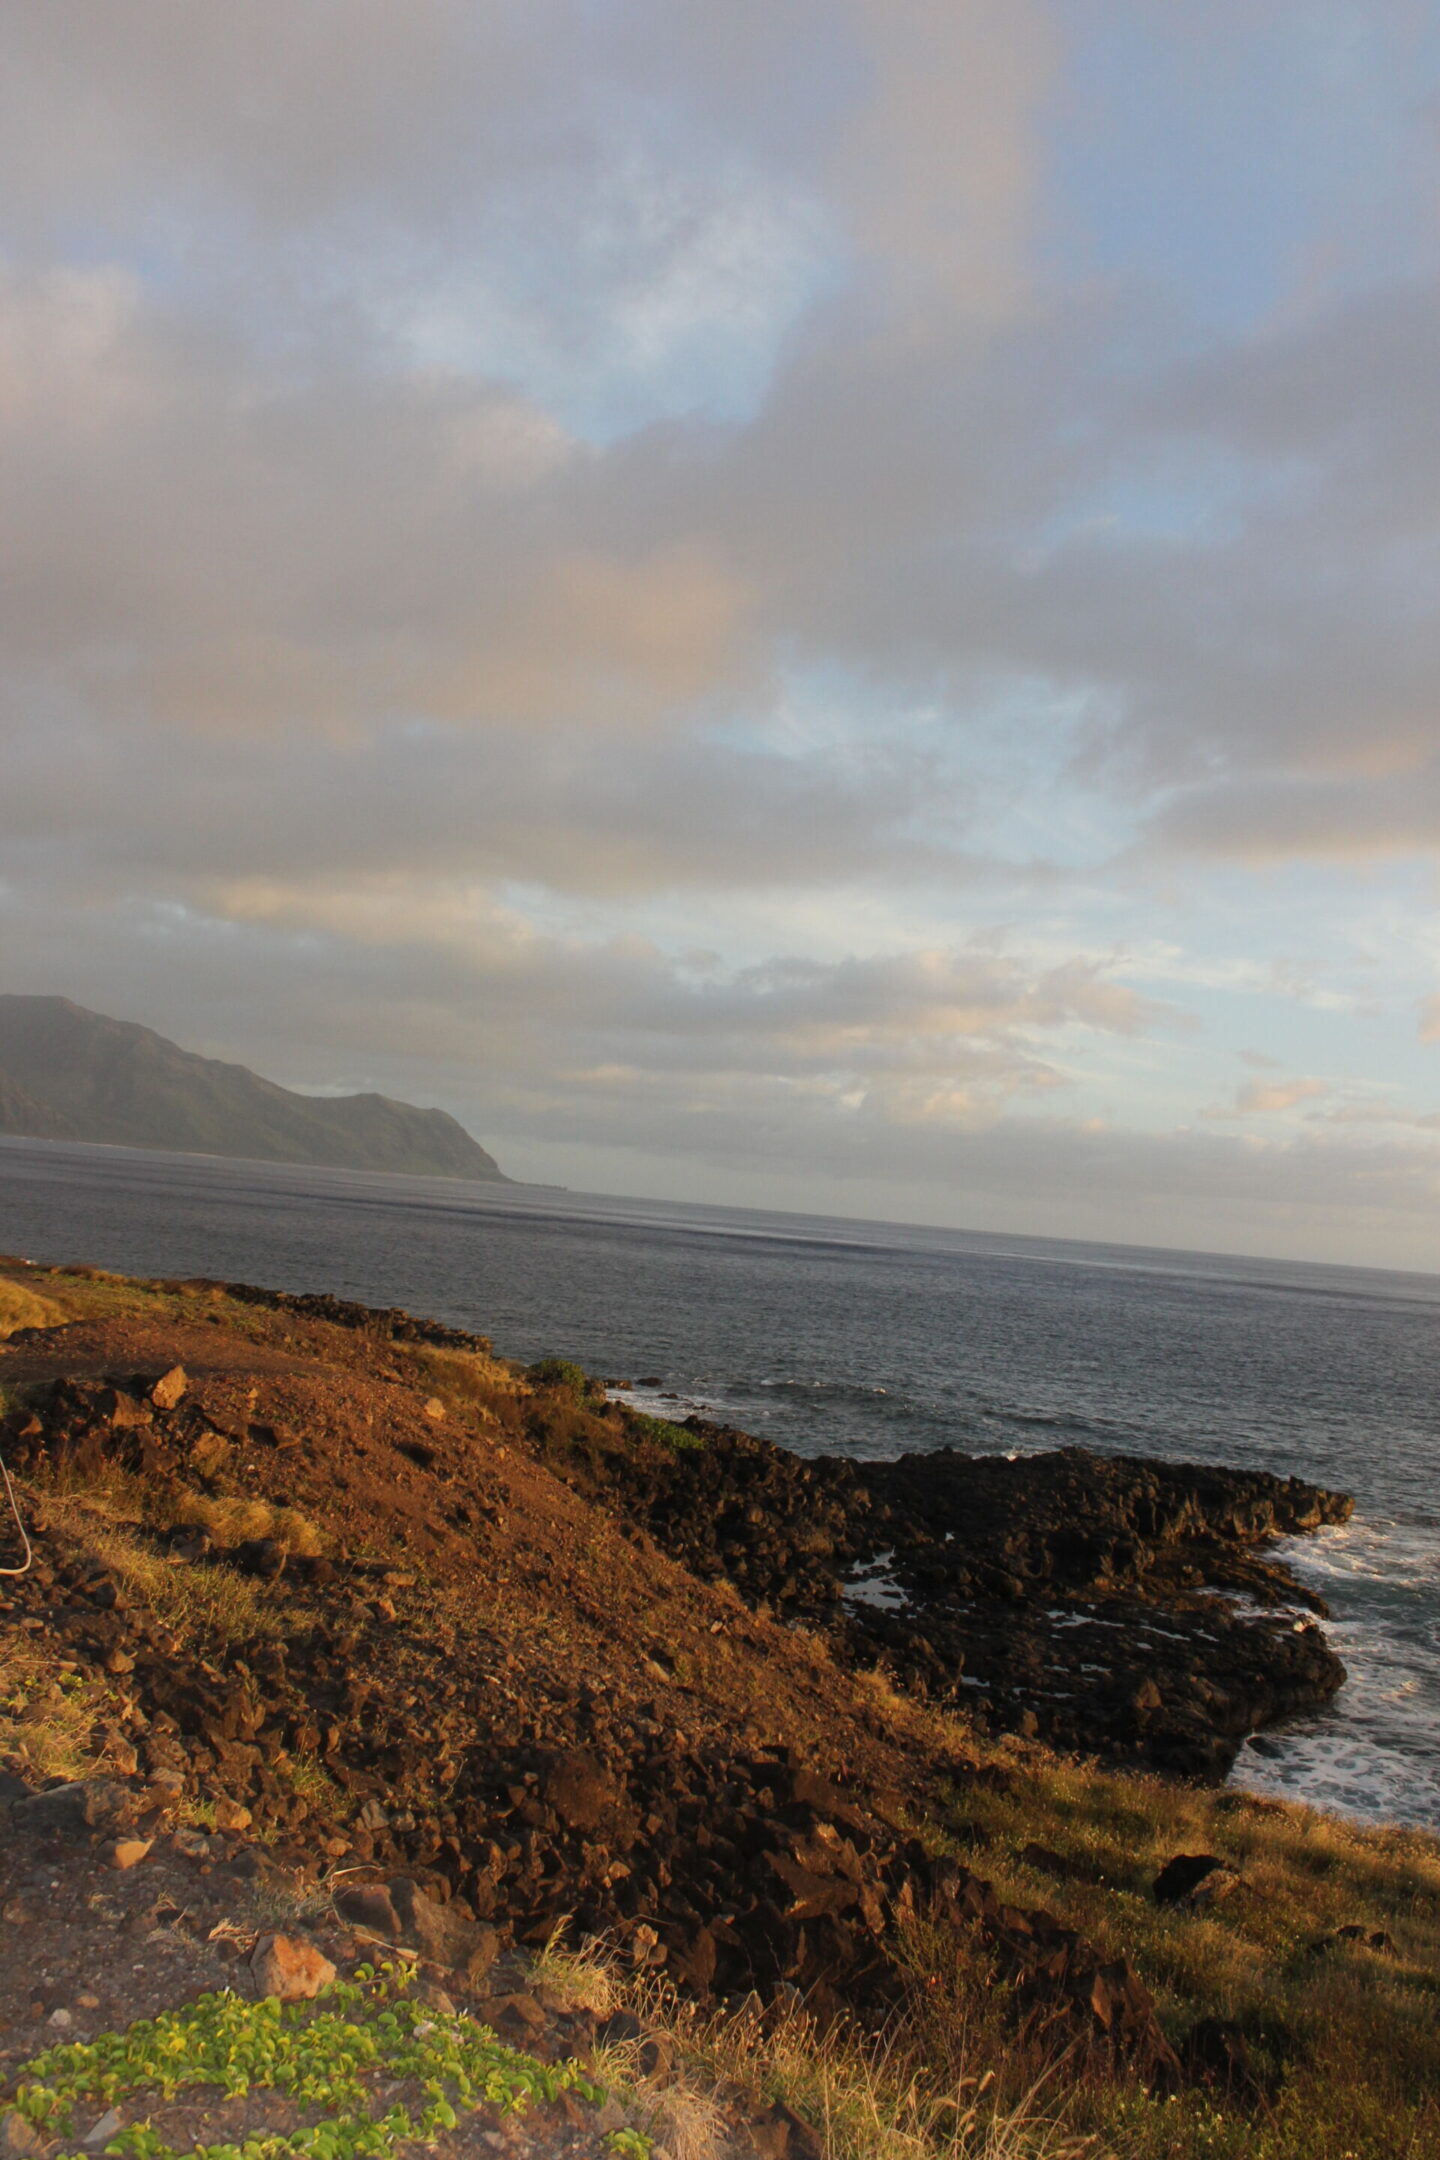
(1375, 1754)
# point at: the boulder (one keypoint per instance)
(70, 1810)
(1215, 2052)
(1214, 1887)
(169, 1388)
(264, 1558)
(577, 1787)
(128, 1852)
(290, 1967)
(399, 1912)
(119, 1408)
(187, 1542)
(1180, 1878)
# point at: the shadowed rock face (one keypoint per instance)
(66, 1073)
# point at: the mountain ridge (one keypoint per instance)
(67, 1073)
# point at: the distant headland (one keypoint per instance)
(70, 1074)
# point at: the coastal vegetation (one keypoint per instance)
(357, 1596)
(325, 2056)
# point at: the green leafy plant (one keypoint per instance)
(628, 2144)
(319, 2055)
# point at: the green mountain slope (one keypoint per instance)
(22, 1112)
(66, 1073)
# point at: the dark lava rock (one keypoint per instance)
(1215, 2052)
(264, 1558)
(401, 1913)
(1356, 1936)
(391, 1323)
(1179, 1879)
(576, 1786)
(72, 1810)
(1085, 1600)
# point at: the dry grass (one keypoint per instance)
(48, 1714)
(231, 1521)
(195, 1602)
(198, 1602)
(585, 1978)
(21, 1308)
(112, 1495)
(1351, 2035)
(466, 1381)
(1354, 2035)
(899, 2097)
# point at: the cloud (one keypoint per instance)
(940, 162)
(495, 499)
(1373, 1113)
(914, 1038)
(286, 112)
(1266, 1097)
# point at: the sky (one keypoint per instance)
(826, 604)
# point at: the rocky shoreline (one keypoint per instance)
(547, 1661)
(1109, 1605)
(1112, 1605)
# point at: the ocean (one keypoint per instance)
(872, 1339)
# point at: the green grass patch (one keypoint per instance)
(1346, 2036)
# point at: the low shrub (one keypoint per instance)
(662, 1430)
(343, 2055)
(563, 1373)
(231, 1521)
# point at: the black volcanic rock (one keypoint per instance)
(1110, 1605)
(66, 1073)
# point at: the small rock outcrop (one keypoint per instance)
(290, 1968)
